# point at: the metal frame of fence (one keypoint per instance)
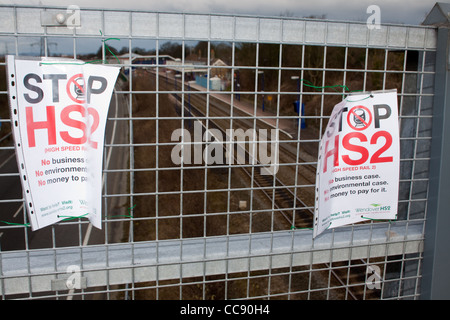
(209, 247)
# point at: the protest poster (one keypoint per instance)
(58, 111)
(358, 163)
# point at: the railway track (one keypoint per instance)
(297, 213)
(350, 277)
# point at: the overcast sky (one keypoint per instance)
(392, 11)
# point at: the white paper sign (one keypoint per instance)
(59, 109)
(358, 167)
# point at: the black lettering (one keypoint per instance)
(345, 109)
(377, 116)
(91, 90)
(29, 86)
(55, 86)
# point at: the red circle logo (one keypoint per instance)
(359, 118)
(76, 88)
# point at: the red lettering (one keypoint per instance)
(351, 147)
(333, 152)
(376, 156)
(34, 125)
(94, 126)
(65, 118)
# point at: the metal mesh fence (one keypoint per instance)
(204, 227)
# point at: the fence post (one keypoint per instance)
(436, 263)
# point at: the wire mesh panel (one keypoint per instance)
(190, 210)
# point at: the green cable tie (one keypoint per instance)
(72, 217)
(106, 46)
(75, 63)
(27, 224)
(309, 84)
(126, 215)
(93, 61)
(369, 96)
(16, 224)
(389, 220)
(68, 218)
(295, 228)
